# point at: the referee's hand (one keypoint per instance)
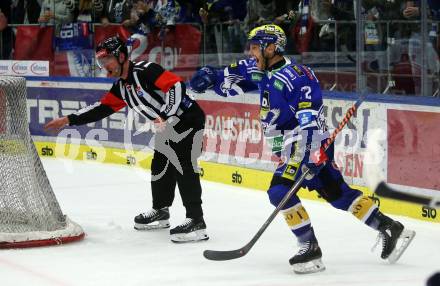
(56, 125)
(159, 124)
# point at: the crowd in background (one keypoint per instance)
(311, 25)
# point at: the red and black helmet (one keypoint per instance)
(111, 46)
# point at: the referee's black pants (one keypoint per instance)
(187, 150)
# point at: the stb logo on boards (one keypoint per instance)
(237, 178)
(91, 155)
(131, 160)
(429, 212)
(46, 151)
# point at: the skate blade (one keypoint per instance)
(405, 239)
(152, 226)
(309, 267)
(198, 235)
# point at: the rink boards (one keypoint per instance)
(390, 138)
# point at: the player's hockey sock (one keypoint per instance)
(364, 209)
(298, 221)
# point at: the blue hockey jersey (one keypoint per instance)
(290, 97)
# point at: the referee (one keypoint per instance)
(160, 96)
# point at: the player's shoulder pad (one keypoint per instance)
(285, 77)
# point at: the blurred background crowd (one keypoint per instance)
(184, 35)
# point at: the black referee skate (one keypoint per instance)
(395, 238)
(190, 230)
(153, 219)
(308, 258)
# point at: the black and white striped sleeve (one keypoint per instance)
(109, 104)
(173, 98)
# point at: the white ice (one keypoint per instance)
(105, 198)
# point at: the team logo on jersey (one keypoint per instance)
(305, 118)
(278, 84)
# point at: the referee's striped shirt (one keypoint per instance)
(149, 90)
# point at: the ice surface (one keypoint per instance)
(105, 198)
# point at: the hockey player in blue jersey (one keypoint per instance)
(291, 110)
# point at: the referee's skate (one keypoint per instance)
(190, 230)
(153, 219)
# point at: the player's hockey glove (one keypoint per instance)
(318, 159)
(203, 79)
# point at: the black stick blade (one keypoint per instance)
(383, 190)
(224, 255)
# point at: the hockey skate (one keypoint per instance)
(153, 219)
(395, 238)
(308, 258)
(190, 230)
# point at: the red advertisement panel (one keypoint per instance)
(234, 129)
(34, 43)
(177, 51)
(414, 148)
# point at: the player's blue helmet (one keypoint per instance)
(268, 34)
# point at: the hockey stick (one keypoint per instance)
(385, 191)
(237, 253)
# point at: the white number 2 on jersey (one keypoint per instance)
(307, 90)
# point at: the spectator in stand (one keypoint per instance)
(117, 11)
(343, 10)
(25, 11)
(90, 11)
(225, 16)
(142, 21)
(6, 33)
(412, 11)
(189, 12)
(261, 12)
(56, 12)
(168, 14)
(142, 17)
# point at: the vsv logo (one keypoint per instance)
(237, 178)
(46, 151)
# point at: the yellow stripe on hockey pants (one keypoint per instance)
(362, 208)
(296, 216)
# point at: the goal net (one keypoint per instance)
(29, 211)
